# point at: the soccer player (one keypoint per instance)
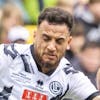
(40, 71)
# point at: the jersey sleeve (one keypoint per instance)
(81, 88)
(5, 61)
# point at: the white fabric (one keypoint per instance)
(27, 86)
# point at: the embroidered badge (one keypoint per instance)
(55, 87)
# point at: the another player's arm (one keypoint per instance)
(96, 98)
(98, 79)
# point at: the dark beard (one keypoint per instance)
(45, 64)
(42, 63)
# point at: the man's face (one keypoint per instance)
(51, 41)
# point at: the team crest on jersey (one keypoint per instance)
(55, 87)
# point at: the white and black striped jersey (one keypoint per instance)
(20, 78)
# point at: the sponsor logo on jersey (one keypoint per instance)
(55, 87)
(33, 95)
(40, 82)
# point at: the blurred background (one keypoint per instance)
(25, 12)
(18, 21)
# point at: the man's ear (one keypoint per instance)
(68, 43)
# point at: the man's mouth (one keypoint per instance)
(51, 56)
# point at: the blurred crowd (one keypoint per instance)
(84, 52)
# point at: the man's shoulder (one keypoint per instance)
(67, 66)
(14, 49)
(14, 45)
(21, 48)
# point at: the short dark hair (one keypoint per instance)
(56, 15)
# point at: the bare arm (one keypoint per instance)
(98, 79)
(97, 98)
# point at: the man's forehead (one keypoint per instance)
(56, 36)
(45, 26)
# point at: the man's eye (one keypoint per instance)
(46, 38)
(59, 41)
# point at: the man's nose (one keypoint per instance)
(52, 46)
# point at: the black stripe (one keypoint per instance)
(93, 95)
(15, 51)
(69, 69)
(4, 95)
(65, 92)
(26, 65)
(58, 97)
(34, 57)
(8, 52)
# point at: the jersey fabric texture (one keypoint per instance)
(20, 78)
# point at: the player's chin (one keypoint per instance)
(50, 62)
(50, 59)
